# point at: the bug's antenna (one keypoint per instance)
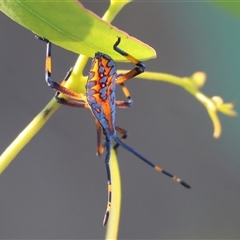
(157, 168)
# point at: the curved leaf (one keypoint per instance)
(69, 25)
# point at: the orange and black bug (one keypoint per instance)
(100, 99)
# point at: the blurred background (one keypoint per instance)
(56, 187)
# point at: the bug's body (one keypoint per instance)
(100, 99)
(100, 91)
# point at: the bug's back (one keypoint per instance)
(100, 91)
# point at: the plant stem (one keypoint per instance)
(27, 134)
(190, 85)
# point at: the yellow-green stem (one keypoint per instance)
(114, 218)
(27, 134)
(191, 84)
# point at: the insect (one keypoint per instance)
(100, 99)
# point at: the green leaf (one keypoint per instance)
(69, 25)
(230, 6)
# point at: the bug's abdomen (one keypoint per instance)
(100, 90)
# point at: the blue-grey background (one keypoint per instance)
(56, 187)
